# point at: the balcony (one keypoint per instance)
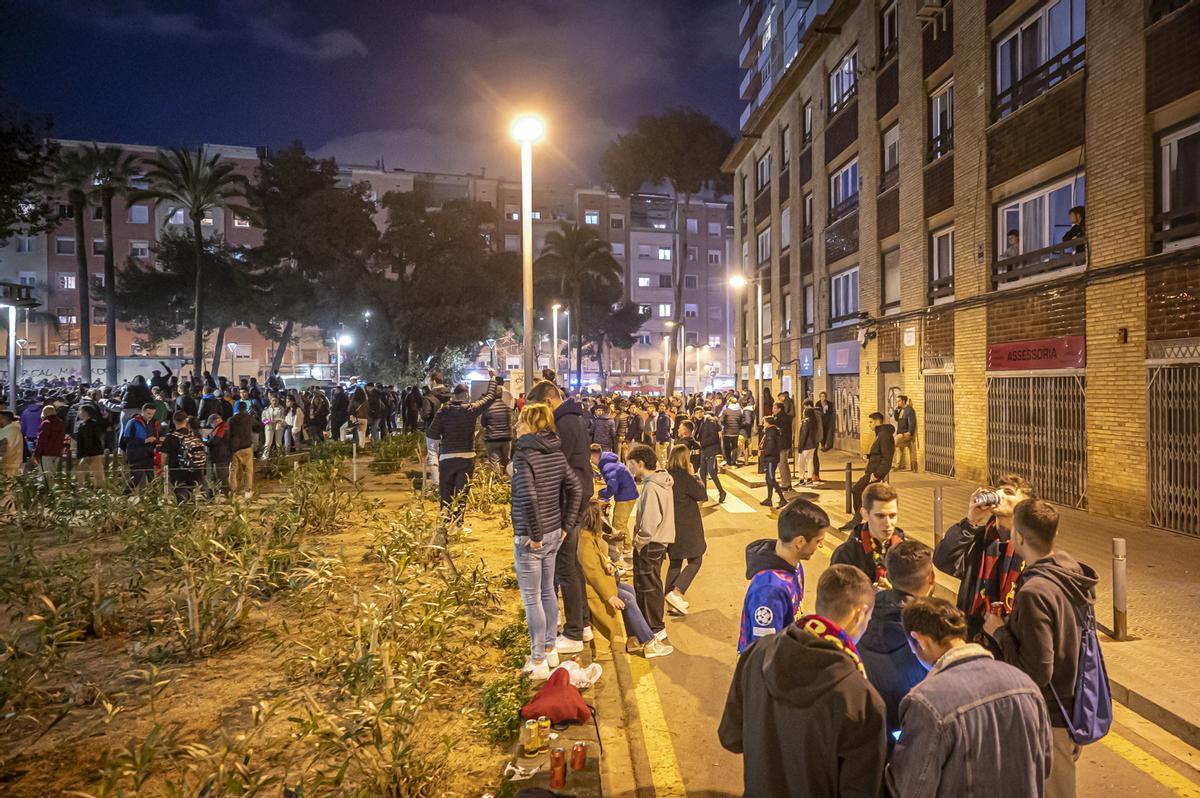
(1178, 229)
(843, 208)
(940, 289)
(1039, 81)
(889, 179)
(846, 98)
(940, 145)
(749, 52)
(1064, 255)
(1162, 8)
(750, 16)
(750, 83)
(762, 204)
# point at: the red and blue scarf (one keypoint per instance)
(877, 549)
(826, 629)
(999, 568)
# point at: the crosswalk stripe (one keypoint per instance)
(732, 503)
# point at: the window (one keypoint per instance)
(512, 243)
(176, 217)
(785, 147)
(644, 280)
(65, 281)
(843, 82)
(890, 270)
(535, 215)
(68, 349)
(512, 213)
(763, 173)
(891, 148)
(766, 319)
(714, 228)
(591, 217)
(810, 307)
(99, 350)
(645, 310)
(139, 214)
(99, 315)
(664, 253)
(664, 310)
(644, 339)
(98, 280)
(785, 228)
(745, 255)
(643, 250)
(64, 245)
(715, 313)
(617, 221)
(808, 125)
(843, 189)
(693, 225)
(1180, 186)
(941, 264)
(691, 311)
(714, 341)
(786, 321)
(714, 257)
(27, 278)
(618, 249)
(177, 351)
(692, 338)
(1044, 49)
(1038, 219)
(97, 213)
(207, 219)
(889, 31)
(941, 126)
(664, 281)
(693, 253)
(643, 364)
(691, 281)
(66, 316)
(65, 211)
(808, 215)
(843, 295)
(764, 245)
(240, 221)
(139, 249)
(243, 351)
(23, 244)
(97, 246)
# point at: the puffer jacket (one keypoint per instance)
(545, 492)
(498, 422)
(618, 482)
(604, 432)
(810, 431)
(731, 421)
(454, 424)
(709, 436)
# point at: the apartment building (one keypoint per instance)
(909, 182)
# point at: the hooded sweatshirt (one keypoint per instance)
(774, 595)
(655, 511)
(805, 720)
(891, 666)
(1042, 634)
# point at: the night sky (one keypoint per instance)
(424, 85)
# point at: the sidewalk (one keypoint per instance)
(1153, 672)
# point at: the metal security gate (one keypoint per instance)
(1173, 448)
(1036, 427)
(845, 404)
(939, 424)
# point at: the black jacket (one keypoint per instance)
(883, 450)
(805, 720)
(731, 421)
(829, 428)
(187, 403)
(709, 436)
(241, 431)
(576, 444)
(545, 492)
(454, 424)
(1042, 634)
(89, 438)
(891, 666)
(810, 431)
(498, 422)
(851, 552)
(784, 421)
(768, 451)
(689, 527)
(432, 402)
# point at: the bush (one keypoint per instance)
(390, 453)
(501, 702)
(513, 642)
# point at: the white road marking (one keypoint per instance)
(732, 503)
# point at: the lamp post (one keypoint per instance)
(342, 340)
(699, 383)
(554, 312)
(739, 281)
(491, 342)
(527, 129)
(232, 347)
(14, 296)
(567, 316)
(681, 327)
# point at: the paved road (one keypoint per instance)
(688, 689)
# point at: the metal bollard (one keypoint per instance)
(939, 531)
(1120, 618)
(849, 487)
(354, 462)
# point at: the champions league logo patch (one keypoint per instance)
(763, 616)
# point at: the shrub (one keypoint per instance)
(501, 702)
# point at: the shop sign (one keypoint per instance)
(806, 362)
(843, 357)
(1064, 352)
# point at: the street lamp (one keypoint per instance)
(699, 384)
(527, 129)
(491, 342)
(738, 281)
(342, 340)
(554, 311)
(14, 296)
(567, 316)
(232, 347)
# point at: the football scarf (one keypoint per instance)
(826, 629)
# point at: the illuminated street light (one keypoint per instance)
(527, 129)
(342, 340)
(554, 311)
(737, 281)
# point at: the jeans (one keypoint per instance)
(730, 449)
(859, 487)
(290, 440)
(680, 576)
(635, 622)
(574, 590)
(708, 468)
(648, 584)
(498, 453)
(535, 578)
(816, 468)
(772, 483)
(456, 473)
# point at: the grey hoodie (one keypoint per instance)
(655, 511)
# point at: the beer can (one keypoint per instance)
(543, 724)
(530, 738)
(558, 769)
(579, 755)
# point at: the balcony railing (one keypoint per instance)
(1040, 261)
(889, 50)
(889, 179)
(847, 98)
(843, 208)
(1161, 8)
(940, 145)
(1037, 82)
(807, 232)
(941, 288)
(1173, 229)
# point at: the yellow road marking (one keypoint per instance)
(660, 750)
(1151, 766)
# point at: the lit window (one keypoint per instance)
(535, 215)
(843, 82)
(843, 289)
(139, 214)
(941, 263)
(512, 213)
(843, 186)
(66, 281)
(785, 228)
(66, 316)
(714, 340)
(808, 125)
(64, 246)
(785, 147)
(240, 221)
(591, 217)
(810, 308)
(644, 280)
(645, 310)
(714, 228)
(1043, 50)
(644, 339)
(176, 217)
(664, 253)
(139, 249)
(664, 310)
(618, 249)
(764, 245)
(763, 172)
(207, 219)
(691, 311)
(693, 225)
(1038, 219)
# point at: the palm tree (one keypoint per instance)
(73, 173)
(197, 185)
(576, 258)
(114, 170)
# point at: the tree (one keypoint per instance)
(26, 156)
(197, 185)
(73, 172)
(577, 260)
(113, 172)
(613, 325)
(685, 149)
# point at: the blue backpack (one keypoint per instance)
(1093, 713)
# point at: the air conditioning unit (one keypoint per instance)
(930, 9)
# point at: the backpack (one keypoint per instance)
(1093, 713)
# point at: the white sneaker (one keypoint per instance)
(677, 603)
(661, 636)
(552, 661)
(588, 636)
(538, 671)
(656, 648)
(248, 495)
(566, 645)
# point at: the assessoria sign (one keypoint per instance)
(1066, 352)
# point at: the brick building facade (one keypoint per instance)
(941, 147)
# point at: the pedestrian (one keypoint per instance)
(775, 569)
(686, 553)
(360, 416)
(621, 493)
(12, 445)
(1078, 229)
(809, 442)
(979, 551)
(49, 445)
(891, 665)
(906, 434)
(828, 430)
(800, 709)
(183, 472)
(612, 603)
(746, 431)
(454, 428)
(731, 425)
(273, 416)
(219, 453)
(868, 545)
(572, 432)
(662, 432)
(436, 395)
(498, 431)
(604, 429)
(1043, 634)
(139, 438)
(654, 531)
(973, 726)
(293, 424)
(708, 435)
(546, 498)
(785, 421)
(241, 444)
(339, 413)
(89, 447)
(879, 463)
(768, 455)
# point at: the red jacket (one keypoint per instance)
(51, 437)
